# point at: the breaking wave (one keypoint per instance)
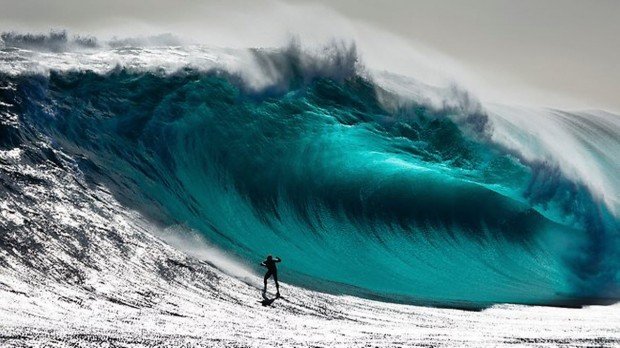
(360, 188)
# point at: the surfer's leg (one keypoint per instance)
(267, 275)
(275, 278)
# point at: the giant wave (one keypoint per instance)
(360, 188)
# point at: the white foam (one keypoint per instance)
(584, 145)
(194, 244)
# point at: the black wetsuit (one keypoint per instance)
(272, 270)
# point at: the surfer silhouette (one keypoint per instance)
(272, 270)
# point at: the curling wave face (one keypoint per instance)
(358, 189)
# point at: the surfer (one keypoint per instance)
(272, 270)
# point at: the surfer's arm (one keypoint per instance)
(278, 259)
(263, 264)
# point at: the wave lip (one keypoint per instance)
(55, 41)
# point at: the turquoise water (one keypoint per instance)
(404, 204)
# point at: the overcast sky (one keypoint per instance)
(563, 51)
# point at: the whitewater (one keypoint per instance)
(142, 184)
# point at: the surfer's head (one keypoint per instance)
(269, 257)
